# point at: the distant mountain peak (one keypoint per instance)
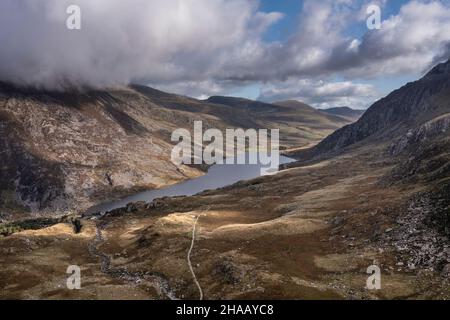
(342, 108)
(345, 108)
(294, 104)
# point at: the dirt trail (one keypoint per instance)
(189, 260)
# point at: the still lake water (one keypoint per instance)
(218, 176)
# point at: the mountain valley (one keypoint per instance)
(374, 192)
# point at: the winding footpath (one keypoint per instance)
(157, 281)
(190, 253)
(189, 259)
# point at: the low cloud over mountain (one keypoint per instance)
(119, 42)
(219, 45)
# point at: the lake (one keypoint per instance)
(218, 176)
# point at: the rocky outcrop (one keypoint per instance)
(404, 109)
(412, 126)
(424, 133)
(423, 233)
(423, 153)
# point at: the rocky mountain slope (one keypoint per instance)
(68, 150)
(63, 151)
(411, 113)
(413, 125)
(410, 128)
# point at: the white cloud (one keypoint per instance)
(407, 43)
(197, 89)
(122, 41)
(322, 94)
(207, 47)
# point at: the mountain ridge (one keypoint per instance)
(391, 117)
(70, 150)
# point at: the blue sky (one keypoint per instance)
(292, 9)
(286, 27)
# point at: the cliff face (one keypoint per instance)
(403, 110)
(412, 126)
(62, 151)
